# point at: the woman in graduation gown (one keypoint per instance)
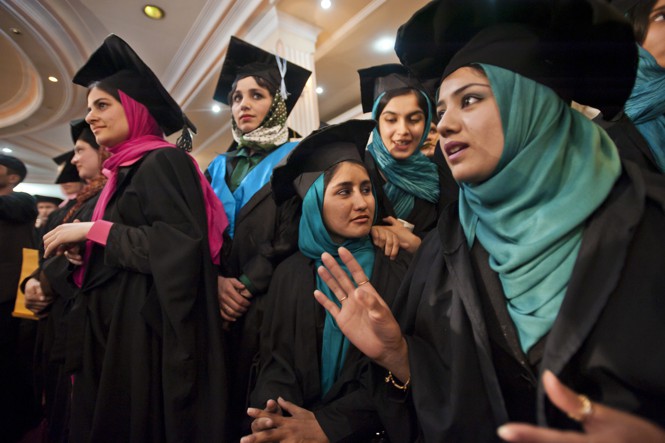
(50, 292)
(144, 334)
(305, 359)
(407, 181)
(261, 89)
(550, 266)
(646, 105)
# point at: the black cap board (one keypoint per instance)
(68, 172)
(80, 129)
(582, 49)
(378, 79)
(316, 153)
(116, 64)
(244, 60)
(48, 199)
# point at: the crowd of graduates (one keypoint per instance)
(479, 260)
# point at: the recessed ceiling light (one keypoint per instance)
(53, 79)
(384, 44)
(7, 150)
(216, 108)
(153, 12)
(319, 90)
(326, 4)
(15, 31)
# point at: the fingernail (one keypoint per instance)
(505, 432)
(251, 410)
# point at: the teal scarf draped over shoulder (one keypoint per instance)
(556, 168)
(313, 241)
(646, 105)
(415, 176)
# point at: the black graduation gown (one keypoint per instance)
(144, 332)
(18, 212)
(607, 341)
(291, 351)
(448, 187)
(51, 379)
(423, 215)
(265, 234)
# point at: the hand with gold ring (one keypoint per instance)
(364, 318)
(601, 423)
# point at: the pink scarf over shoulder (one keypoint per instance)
(145, 136)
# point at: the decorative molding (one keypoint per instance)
(345, 29)
(212, 45)
(28, 97)
(355, 112)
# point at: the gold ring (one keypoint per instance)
(585, 411)
(363, 282)
(343, 298)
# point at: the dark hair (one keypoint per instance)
(272, 89)
(111, 90)
(391, 94)
(330, 172)
(638, 16)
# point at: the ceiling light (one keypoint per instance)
(216, 108)
(153, 12)
(326, 4)
(53, 79)
(384, 44)
(7, 150)
(15, 31)
(319, 90)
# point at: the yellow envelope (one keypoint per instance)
(30, 263)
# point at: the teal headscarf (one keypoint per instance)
(556, 168)
(415, 176)
(646, 105)
(314, 240)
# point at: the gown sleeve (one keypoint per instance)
(284, 242)
(165, 188)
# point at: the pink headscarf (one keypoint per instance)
(145, 136)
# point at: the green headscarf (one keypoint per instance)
(556, 168)
(314, 240)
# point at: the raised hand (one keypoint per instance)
(364, 318)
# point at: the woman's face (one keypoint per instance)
(87, 160)
(654, 42)
(106, 118)
(430, 142)
(401, 125)
(470, 126)
(348, 203)
(250, 103)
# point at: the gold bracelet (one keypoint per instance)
(390, 379)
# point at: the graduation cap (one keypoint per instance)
(316, 153)
(376, 80)
(244, 60)
(68, 172)
(48, 199)
(116, 64)
(13, 163)
(582, 49)
(80, 129)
